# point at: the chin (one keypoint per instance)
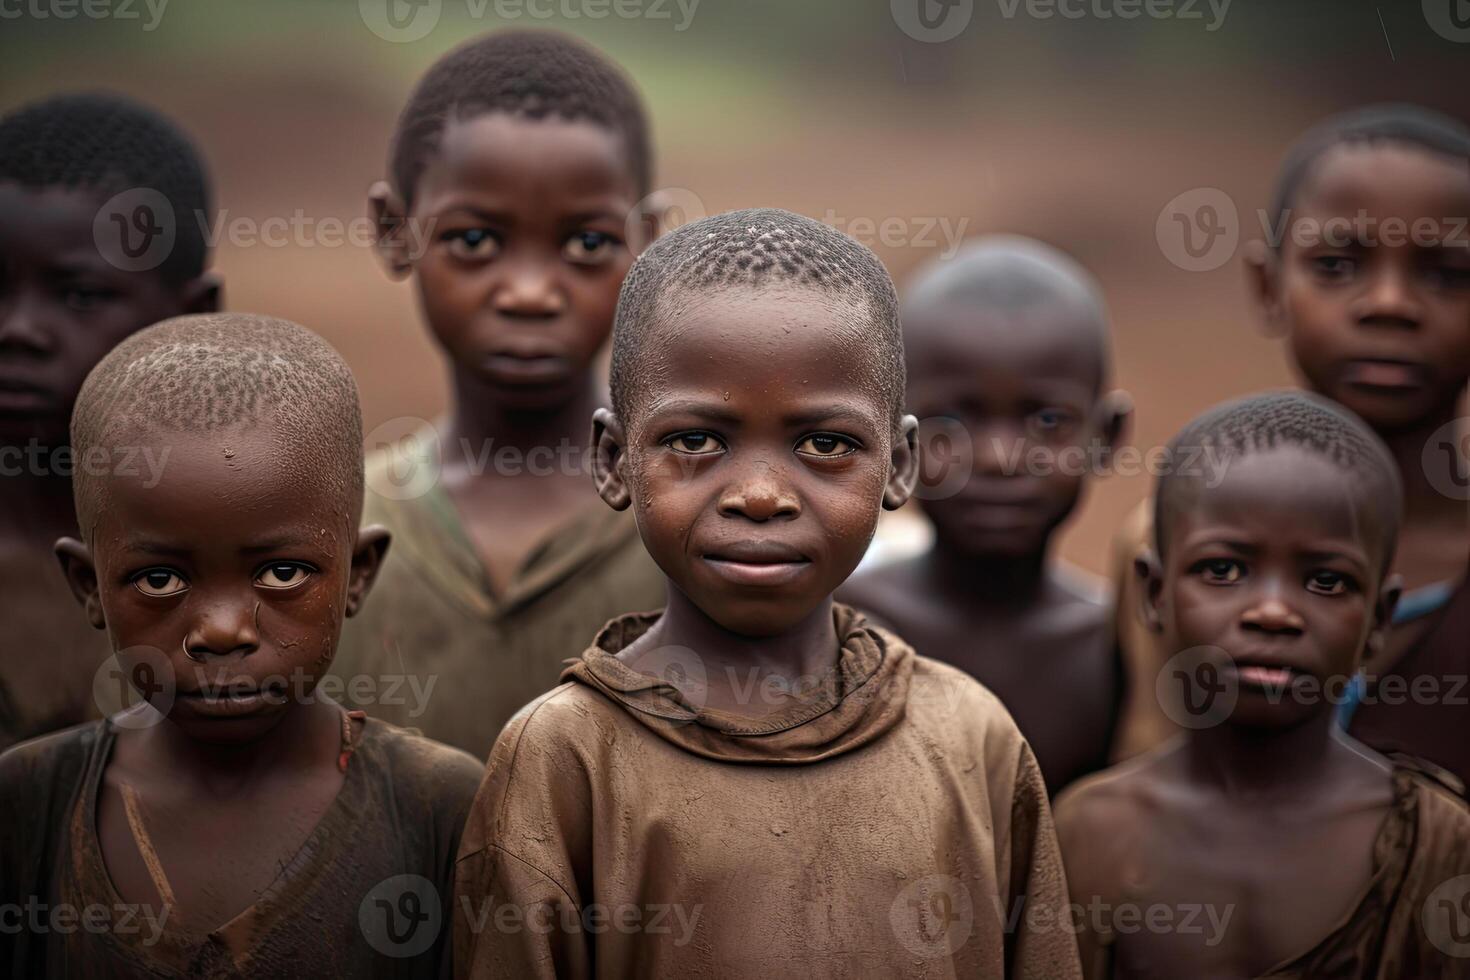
(756, 618)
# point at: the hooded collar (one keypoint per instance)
(861, 697)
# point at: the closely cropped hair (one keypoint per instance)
(756, 247)
(533, 74)
(108, 144)
(1408, 125)
(1260, 423)
(208, 372)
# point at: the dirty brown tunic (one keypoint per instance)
(399, 812)
(435, 649)
(888, 822)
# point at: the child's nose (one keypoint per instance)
(760, 497)
(1390, 299)
(529, 289)
(22, 325)
(1271, 614)
(996, 449)
(224, 628)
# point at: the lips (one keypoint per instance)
(1385, 375)
(17, 395)
(231, 700)
(511, 368)
(1266, 673)
(757, 563)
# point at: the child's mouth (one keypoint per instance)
(1384, 375)
(514, 369)
(230, 700)
(757, 563)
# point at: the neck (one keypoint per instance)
(1424, 472)
(990, 579)
(479, 420)
(1262, 763)
(805, 650)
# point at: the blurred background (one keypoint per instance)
(1087, 123)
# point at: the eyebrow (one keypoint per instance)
(176, 551)
(719, 412)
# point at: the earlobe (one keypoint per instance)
(367, 561)
(1265, 285)
(390, 216)
(81, 577)
(903, 471)
(609, 443)
(1149, 574)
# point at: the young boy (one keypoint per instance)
(1007, 343)
(66, 298)
(234, 824)
(1370, 285)
(756, 782)
(1267, 843)
(515, 167)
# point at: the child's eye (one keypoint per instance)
(826, 445)
(472, 243)
(1328, 583)
(1450, 277)
(1335, 266)
(283, 575)
(1047, 422)
(83, 299)
(695, 444)
(1220, 571)
(589, 247)
(158, 582)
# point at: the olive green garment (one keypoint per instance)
(435, 649)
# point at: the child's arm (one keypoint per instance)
(1085, 845)
(1043, 945)
(517, 893)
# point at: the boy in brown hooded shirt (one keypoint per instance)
(756, 782)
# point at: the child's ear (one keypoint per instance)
(1263, 272)
(81, 576)
(390, 215)
(903, 470)
(1150, 575)
(1387, 602)
(367, 559)
(609, 443)
(202, 294)
(1115, 419)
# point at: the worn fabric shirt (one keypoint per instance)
(399, 813)
(889, 821)
(435, 649)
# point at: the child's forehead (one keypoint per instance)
(50, 217)
(1059, 340)
(1361, 173)
(499, 149)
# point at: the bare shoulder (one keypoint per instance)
(1116, 804)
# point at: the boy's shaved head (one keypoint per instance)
(110, 144)
(761, 248)
(1407, 125)
(1260, 423)
(212, 372)
(532, 74)
(1011, 277)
